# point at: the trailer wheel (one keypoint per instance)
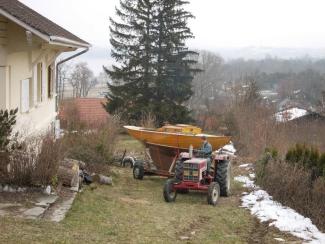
(213, 193)
(138, 172)
(127, 161)
(169, 192)
(223, 177)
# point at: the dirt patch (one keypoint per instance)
(193, 228)
(263, 233)
(136, 201)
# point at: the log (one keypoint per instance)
(70, 163)
(68, 177)
(103, 180)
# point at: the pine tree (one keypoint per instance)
(174, 61)
(131, 41)
(154, 71)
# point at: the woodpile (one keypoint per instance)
(72, 173)
(68, 173)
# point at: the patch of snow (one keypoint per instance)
(286, 219)
(252, 176)
(244, 179)
(279, 239)
(290, 114)
(244, 165)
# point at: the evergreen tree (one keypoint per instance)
(174, 61)
(131, 41)
(154, 71)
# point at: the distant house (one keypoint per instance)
(290, 114)
(300, 117)
(29, 47)
(86, 111)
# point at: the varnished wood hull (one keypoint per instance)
(175, 140)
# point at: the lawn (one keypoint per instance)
(134, 211)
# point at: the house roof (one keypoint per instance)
(90, 111)
(38, 24)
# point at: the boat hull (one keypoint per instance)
(175, 140)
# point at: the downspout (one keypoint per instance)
(57, 74)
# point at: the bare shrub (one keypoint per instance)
(50, 154)
(33, 162)
(69, 116)
(293, 186)
(95, 147)
(148, 120)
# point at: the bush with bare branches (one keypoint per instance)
(95, 147)
(293, 185)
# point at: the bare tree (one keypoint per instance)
(63, 76)
(82, 80)
(207, 83)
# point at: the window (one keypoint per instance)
(39, 82)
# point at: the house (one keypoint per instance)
(29, 46)
(89, 112)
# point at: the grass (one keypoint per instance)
(134, 211)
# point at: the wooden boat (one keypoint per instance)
(178, 136)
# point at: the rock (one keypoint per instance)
(60, 212)
(34, 213)
(46, 201)
(21, 189)
(47, 190)
(184, 238)
(104, 180)
(193, 233)
(6, 188)
(11, 189)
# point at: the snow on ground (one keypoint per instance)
(245, 165)
(286, 219)
(244, 179)
(290, 114)
(260, 204)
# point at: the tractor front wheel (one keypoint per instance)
(213, 193)
(223, 177)
(170, 193)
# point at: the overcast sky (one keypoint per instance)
(218, 23)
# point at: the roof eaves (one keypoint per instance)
(54, 40)
(67, 42)
(24, 25)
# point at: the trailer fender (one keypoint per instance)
(128, 160)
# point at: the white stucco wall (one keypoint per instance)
(20, 61)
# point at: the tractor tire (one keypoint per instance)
(213, 193)
(169, 193)
(223, 177)
(138, 172)
(179, 168)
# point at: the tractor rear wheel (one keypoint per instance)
(138, 171)
(223, 177)
(170, 193)
(179, 168)
(213, 193)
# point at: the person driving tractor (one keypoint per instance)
(206, 151)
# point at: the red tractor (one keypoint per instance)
(191, 174)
